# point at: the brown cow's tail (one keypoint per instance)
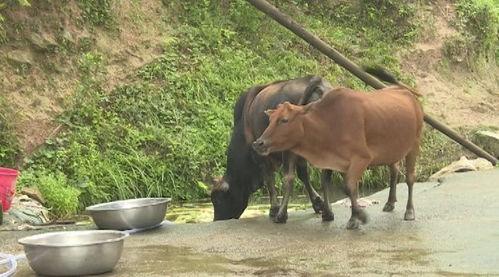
(310, 91)
(381, 74)
(251, 94)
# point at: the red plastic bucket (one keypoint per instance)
(8, 177)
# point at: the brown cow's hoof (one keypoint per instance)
(281, 218)
(273, 211)
(388, 207)
(317, 204)
(327, 216)
(353, 223)
(409, 215)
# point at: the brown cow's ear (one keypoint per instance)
(269, 112)
(306, 108)
(287, 104)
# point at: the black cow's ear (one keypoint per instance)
(224, 186)
(269, 112)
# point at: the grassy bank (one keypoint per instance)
(164, 133)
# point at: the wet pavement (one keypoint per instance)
(456, 233)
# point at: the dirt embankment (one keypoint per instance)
(454, 93)
(39, 66)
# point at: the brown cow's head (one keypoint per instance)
(285, 129)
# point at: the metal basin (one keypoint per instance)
(129, 214)
(74, 252)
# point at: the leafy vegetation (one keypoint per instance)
(478, 40)
(9, 144)
(61, 197)
(97, 12)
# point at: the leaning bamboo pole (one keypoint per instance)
(323, 47)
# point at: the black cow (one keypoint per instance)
(247, 171)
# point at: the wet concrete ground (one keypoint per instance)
(456, 233)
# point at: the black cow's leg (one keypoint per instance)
(392, 197)
(289, 176)
(270, 183)
(302, 171)
(353, 175)
(327, 213)
(410, 165)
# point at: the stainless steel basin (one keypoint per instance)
(129, 214)
(74, 253)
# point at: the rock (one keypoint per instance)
(463, 165)
(19, 57)
(42, 42)
(362, 202)
(34, 194)
(489, 141)
(25, 214)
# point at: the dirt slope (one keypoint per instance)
(39, 65)
(454, 94)
(36, 81)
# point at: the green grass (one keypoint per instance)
(478, 40)
(9, 142)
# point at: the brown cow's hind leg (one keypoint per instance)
(410, 165)
(327, 213)
(392, 197)
(353, 175)
(301, 170)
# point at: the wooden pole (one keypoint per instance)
(323, 47)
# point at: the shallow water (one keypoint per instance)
(202, 211)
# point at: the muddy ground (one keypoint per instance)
(456, 232)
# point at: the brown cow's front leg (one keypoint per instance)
(327, 213)
(270, 183)
(289, 165)
(392, 197)
(302, 171)
(353, 175)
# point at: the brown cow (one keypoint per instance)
(349, 131)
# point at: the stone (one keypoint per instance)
(462, 165)
(68, 37)
(489, 141)
(25, 214)
(42, 42)
(34, 194)
(20, 57)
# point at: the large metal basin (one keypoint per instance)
(129, 214)
(74, 252)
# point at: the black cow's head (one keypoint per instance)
(228, 203)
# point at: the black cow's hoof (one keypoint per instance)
(362, 216)
(281, 218)
(317, 205)
(327, 216)
(409, 215)
(353, 223)
(388, 207)
(273, 211)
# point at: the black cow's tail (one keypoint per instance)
(381, 74)
(311, 91)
